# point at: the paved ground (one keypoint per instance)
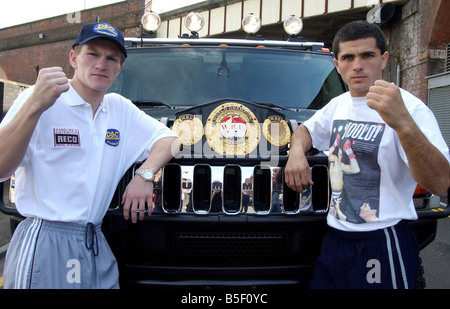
(436, 258)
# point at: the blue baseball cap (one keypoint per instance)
(92, 31)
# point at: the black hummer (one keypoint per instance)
(223, 216)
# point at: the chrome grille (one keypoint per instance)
(233, 189)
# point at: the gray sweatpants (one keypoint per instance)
(58, 255)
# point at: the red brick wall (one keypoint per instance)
(419, 26)
(22, 53)
(440, 36)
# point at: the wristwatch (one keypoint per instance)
(147, 174)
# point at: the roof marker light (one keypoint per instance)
(151, 21)
(194, 22)
(251, 23)
(293, 25)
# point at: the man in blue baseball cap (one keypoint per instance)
(69, 144)
(100, 30)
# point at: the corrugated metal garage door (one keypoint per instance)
(439, 102)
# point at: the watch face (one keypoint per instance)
(148, 175)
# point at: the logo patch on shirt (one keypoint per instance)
(112, 137)
(66, 138)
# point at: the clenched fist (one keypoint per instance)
(50, 83)
(385, 98)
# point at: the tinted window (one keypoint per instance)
(190, 76)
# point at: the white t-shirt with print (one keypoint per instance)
(75, 160)
(373, 169)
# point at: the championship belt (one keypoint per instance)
(232, 128)
(276, 131)
(189, 129)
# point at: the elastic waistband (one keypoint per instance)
(367, 235)
(64, 227)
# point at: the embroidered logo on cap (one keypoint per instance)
(106, 29)
(112, 137)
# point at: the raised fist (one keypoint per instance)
(347, 145)
(50, 83)
(348, 149)
(336, 142)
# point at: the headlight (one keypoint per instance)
(251, 23)
(293, 25)
(194, 22)
(151, 21)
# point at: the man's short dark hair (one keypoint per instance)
(357, 30)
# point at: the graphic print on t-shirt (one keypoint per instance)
(354, 170)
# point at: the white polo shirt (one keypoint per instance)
(74, 161)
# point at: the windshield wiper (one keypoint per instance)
(268, 104)
(151, 103)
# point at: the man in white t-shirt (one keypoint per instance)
(69, 144)
(397, 143)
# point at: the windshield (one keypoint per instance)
(189, 75)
